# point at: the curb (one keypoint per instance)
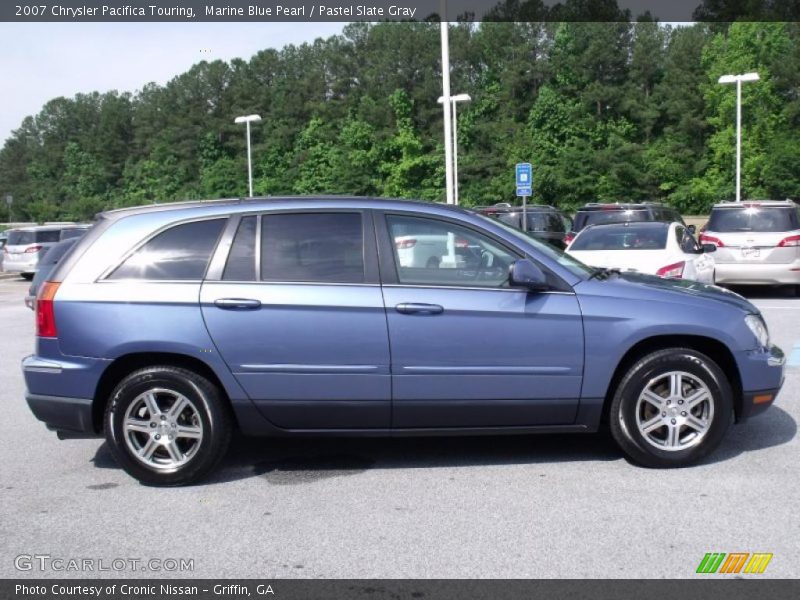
(5, 276)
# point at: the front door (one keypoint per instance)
(467, 350)
(297, 314)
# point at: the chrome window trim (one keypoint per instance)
(479, 289)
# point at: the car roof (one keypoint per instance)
(48, 227)
(631, 224)
(254, 204)
(751, 203)
(507, 209)
(591, 206)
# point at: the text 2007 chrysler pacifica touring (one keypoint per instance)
(167, 326)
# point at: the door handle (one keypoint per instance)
(410, 308)
(237, 303)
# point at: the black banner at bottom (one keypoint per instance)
(397, 589)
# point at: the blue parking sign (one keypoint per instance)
(524, 179)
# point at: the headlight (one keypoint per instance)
(759, 329)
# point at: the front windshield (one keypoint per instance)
(573, 265)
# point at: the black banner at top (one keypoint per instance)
(396, 10)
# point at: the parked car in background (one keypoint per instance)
(544, 222)
(46, 265)
(168, 326)
(3, 240)
(663, 249)
(597, 213)
(758, 242)
(26, 245)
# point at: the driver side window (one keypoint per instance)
(431, 252)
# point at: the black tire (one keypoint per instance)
(212, 415)
(623, 410)
(27, 276)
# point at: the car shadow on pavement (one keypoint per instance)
(763, 292)
(297, 461)
(773, 428)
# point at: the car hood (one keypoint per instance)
(683, 287)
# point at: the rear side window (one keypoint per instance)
(68, 234)
(180, 253)
(241, 265)
(753, 218)
(48, 236)
(312, 247)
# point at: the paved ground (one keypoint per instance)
(567, 506)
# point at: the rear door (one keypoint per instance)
(467, 350)
(296, 311)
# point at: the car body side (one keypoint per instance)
(70, 377)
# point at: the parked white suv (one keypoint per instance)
(758, 242)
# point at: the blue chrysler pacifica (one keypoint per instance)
(168, 326)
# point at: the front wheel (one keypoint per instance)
(671, 408)
(167, 426)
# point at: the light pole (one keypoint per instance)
(247, 120)
(738, 79)
(448, 148)
(453, 101)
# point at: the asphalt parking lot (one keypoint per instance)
(506, 507)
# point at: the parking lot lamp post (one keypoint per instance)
(247, 120)
(448, 140)
(738, 79)
(453, 101)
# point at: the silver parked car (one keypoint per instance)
(758, 242)
(27, 245)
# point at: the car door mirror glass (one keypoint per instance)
(526, 274)
(692, 229)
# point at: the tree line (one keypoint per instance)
(606, 111)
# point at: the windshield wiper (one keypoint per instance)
(603, 273)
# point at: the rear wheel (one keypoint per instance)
(167, 426)
(671, 408)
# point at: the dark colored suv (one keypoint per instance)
(543, 222)
(597, 213)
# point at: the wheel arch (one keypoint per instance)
(713, 348)
(128, 363)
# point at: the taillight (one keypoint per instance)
(710, 239)
(32, 249)
(673, 271)
(793, 241)
(569, 237)
(406, 243)
(45, 315)
(462, 243)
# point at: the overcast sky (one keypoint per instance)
(40, 61)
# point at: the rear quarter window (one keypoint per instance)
(180, 253)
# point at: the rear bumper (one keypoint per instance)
(762, 375)
(758, 273)
(60, 392)
(70, 417)
(20, 266)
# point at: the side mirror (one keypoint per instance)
(691, 229)
(526, 274)
(709, 248)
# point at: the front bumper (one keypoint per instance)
(758, 273)
(762, 375)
